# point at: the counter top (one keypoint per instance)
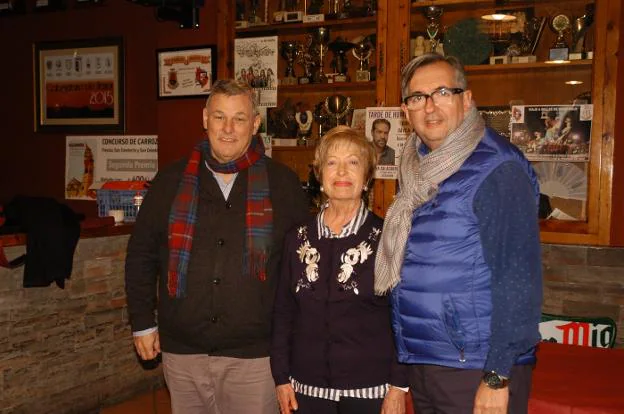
(89, 228)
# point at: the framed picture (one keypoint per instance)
(79, 85)
(186, 72)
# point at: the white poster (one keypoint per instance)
(185, 72)
(255, 62)
(388, 129)
(95, 159)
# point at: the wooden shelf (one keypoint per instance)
(515, 67)
(360, 22)
(471, 3)
(324, 87)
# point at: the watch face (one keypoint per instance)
(494, 381)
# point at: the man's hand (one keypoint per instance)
(394, 402)
(147, 346)
(489, 401)
(286, 398)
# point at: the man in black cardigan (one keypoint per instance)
(205, 252)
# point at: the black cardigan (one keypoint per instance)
(225, 312)
(324, 333)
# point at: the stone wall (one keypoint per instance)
(69, 351)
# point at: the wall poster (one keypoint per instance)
(79, 85)
(388, 129)
(552, 132)
(91, 160)
(186, 72)
(255, 62)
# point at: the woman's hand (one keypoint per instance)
(394, 402)
(286, 398)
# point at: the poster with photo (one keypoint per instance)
(255, 62)
(388, 129)
(552, 132)
(90, 160)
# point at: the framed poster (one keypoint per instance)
(186, 72)
(552, 132)
(79, 85)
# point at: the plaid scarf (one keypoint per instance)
(419, 178)
(258, 218)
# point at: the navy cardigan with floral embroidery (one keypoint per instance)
(329, 329)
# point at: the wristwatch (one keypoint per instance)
(495, 381)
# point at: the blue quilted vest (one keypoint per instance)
(441, 308)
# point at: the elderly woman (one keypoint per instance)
(332, 349)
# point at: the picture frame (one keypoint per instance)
(186, 72)
(79, 85)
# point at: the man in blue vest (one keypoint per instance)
(460, 252)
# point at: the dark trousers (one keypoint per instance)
(444, 390)
(314, 405)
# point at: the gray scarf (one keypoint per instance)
(419, 177)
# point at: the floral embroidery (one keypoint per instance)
(353, 256)
(374, 234)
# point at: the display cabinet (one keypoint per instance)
(363, 21)
(591, 213)
(540, 82)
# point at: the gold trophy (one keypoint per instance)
(559, 51)
(338, 107)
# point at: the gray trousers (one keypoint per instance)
(204, 384)
(443, 390)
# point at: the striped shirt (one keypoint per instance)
(348, 229)
(376, 392)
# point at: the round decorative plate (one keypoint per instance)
(466, 42)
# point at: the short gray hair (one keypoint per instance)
(428, 59)
(232, 87)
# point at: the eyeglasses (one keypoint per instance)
(440, 97)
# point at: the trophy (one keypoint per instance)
(339, 9)
(339, 48)
(322, 118)
(579, 30)
(254, 19)
(362, 52)
(304, 122)
(433, 13)
(338, 106)
(289, 52)
(559, 51)
(306, 60)
(320, 38)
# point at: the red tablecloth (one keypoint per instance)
(571, 379)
